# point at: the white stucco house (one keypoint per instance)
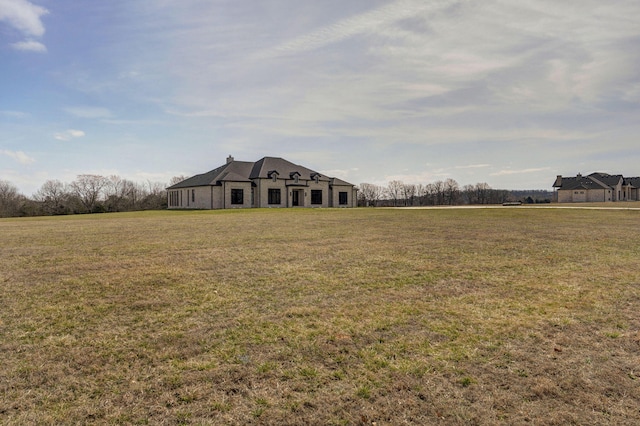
(268, 182)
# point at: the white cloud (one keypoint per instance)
(30, 46)
(18, 156)
(25, 17)
(69, 134)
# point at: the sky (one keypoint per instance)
(494, 91)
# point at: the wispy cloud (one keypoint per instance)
(473, 166)
(69, 134)
(13, 114)
(507, 172)
(89, 112)
(437, 60)
(30, 45)
(364, 23)
(25, 17)
(18, 156)
(340, 173)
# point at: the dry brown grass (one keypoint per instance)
(503, 316)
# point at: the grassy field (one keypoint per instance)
(340, 317)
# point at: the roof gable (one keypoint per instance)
(234, 171)
(266, 165)
(607, 179)
(579, 182)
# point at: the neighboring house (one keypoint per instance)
(269, 182)
(596, 187)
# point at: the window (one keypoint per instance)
(237, 196)
(316, 196)
(274, 177)
(274, 196)
(342, 198)
(193, 195)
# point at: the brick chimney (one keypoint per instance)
(229, 159)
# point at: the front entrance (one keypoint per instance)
(296, 198)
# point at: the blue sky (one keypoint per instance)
(502, 92)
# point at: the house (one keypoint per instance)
(596, 187)
(269, 182)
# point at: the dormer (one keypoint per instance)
(273, 175)
(315, 176)
(295, 176)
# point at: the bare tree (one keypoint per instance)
(10, 199)
(89, 189)
(451, 191)
(409, 193)
(482, 192)
(429, 195)
(154, 196)
(120, 194)
(370, 194)
(437, 189)
(421, 193)
(53, 196)
(394, 190)
(176, 179)
(498, 196)
(469, 194)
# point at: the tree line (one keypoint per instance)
(99, 194)
(448, 192)
(88, 193)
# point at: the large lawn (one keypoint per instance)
(354, 316)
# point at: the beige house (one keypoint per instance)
(596, 187)
(269, 182)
